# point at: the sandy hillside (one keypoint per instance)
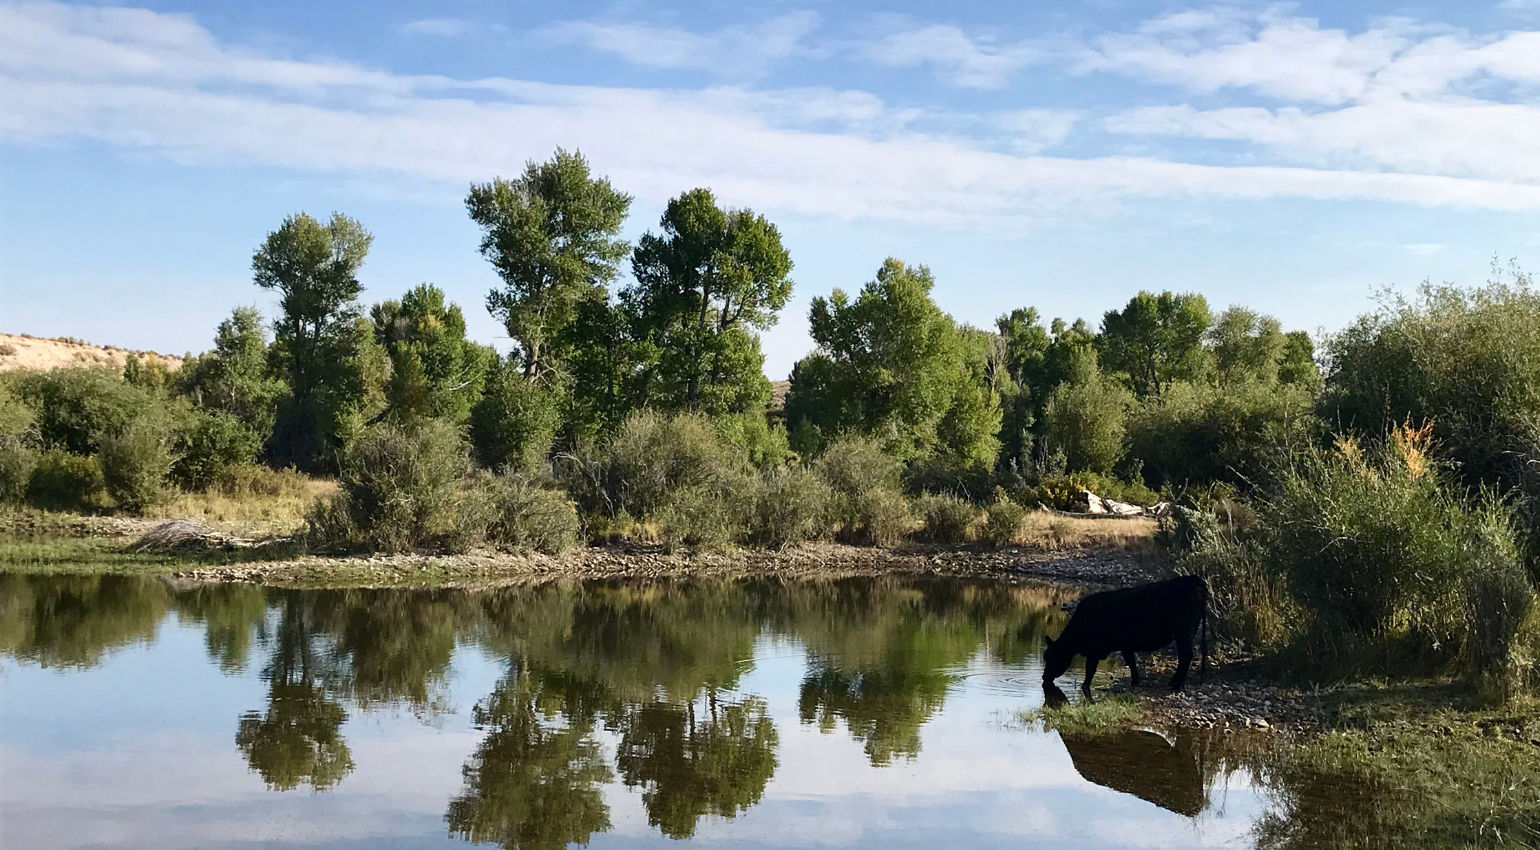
(28, 352)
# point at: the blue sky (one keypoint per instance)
(1064, 155)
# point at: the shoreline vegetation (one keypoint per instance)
(1365, 505)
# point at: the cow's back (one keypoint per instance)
(1141, 619)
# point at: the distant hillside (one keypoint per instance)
(778, 391)
(30, 352)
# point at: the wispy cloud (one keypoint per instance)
(732, 50)
(972, 62)
(161, 83)
(1392, 97)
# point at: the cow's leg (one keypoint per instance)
(1133, 667)
(1183, 660)
(1090, 673)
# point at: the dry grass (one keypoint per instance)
(1054, 532)
(254, 502)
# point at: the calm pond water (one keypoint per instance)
(870, 713)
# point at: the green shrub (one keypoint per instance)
(650, 458)
(75, 407)
(514, 423)
(209, 445)
(1247, 602)
(790, 506)
(1498, 598)
(708, 516)
(398, 489)
(17, 461)
(1200, 433)
(948, 519)
(1002, 521)
(879, 517)
(523, 515)
(1375, 546)
(62, 481)
(137, 462)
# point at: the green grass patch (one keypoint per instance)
(1107, 714)
(80, 556)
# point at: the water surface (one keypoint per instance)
(864, 713)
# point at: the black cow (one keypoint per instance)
(1136, 619)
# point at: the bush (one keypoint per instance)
(650, 459)
(1498, 598)
(1374, 546)
(17, 461)
(523, 515)
(708, 516)
(1247, 602)
(211, 444)
(76, 407)
(864, 480)
(948, 519)
(137, 462)
(62, 481)
(1202, 433)
(879, 517)
(514, 423)
(398, 489)
(1002, 520)
(790, 506)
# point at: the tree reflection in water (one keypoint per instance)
(534, 782)
(715, 764)
(298, 740)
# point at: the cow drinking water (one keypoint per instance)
(1135, 619)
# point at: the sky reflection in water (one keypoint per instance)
(871, 713)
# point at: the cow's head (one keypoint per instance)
(1056, 658)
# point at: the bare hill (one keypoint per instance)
(21, 351)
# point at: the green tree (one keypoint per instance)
(1085, 419)
(1156, 339)
(233, 378)
(321, 349)
(1020, 356)
(516, 420)
(435, 371)
(551, 235)
(889, 363)
(702, 286)
(1247, 345)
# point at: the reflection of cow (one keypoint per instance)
(1142, 764)
(1135, 619)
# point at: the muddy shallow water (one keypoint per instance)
(854, 713)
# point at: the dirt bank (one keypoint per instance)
(20, 351)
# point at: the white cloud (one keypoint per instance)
(1395, 97)
(160, 83)
(1291, 58)
(968, 62)
(732, 50)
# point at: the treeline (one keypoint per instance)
(648, 404)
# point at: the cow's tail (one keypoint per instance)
(1203, 636)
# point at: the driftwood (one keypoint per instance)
(1097, 507)
(184, 535)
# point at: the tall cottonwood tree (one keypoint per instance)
(1156, 339)
(552, 235)
(323, 346)
(703, 285)
(892, 364)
